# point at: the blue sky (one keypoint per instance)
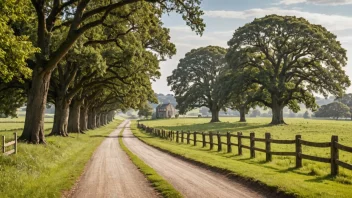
(223, 17)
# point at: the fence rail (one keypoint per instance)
(8, 144)
(187, 137)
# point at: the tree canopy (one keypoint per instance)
(290, 59)
(335, 110)
(196, 79)
(98, 53)
(15, 48)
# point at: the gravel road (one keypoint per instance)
(190, 180)
(110, 173)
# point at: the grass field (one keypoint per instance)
(49, 170)
(10, 125)
(314, 176)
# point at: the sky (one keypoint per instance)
(223, 17)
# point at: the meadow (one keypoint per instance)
(48, 170)
(8, 126)
(310, 129)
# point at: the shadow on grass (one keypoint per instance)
(320, 179)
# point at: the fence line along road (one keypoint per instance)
(4, 145)
(334, 145)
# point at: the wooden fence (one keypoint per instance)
(334, 145)
(4, 145)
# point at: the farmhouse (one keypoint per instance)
(165, 111)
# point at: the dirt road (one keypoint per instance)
(188, 179)
(110, 173)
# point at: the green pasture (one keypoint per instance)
(52, 169)
(309, 129)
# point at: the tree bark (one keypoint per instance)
(242, 114)
(102, 117)
(33, 130)
(98, 120)
(83, 124)
(215, 114)
(92, 120)
(74, 117)
(277, 110)
(62, 108)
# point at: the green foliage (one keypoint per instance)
(196, 78)
(15, 48)
(306, 115)
(255, 113)
(335, 110)
(347, 100)
(10, 101)
(290, 59)
(145, 110)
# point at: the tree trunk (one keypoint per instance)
(242, 114)
(215, 115)
(33, 130)
(83, 124)
(277, 110)
(102, 122)
(98, 120)
(74, 117)
(92, 120)
(107, 118)
(62, 108)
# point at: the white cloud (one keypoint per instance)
(331, 22)
(321, 2)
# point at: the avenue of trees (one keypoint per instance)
(88, 58)
(274, 62)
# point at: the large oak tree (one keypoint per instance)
(71, 19)
(196, 79)
(290, 59)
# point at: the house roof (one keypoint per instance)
(163, 105)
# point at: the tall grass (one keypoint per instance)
(49, 170)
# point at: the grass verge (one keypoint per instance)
(161, 185)
(284, 179)
(49, 170)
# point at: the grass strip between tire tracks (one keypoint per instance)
(161, 185)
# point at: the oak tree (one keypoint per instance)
(290, 59)
(196, 80)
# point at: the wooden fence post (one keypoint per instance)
(195, 138)
(219, 141)
(298, 151)
(177, 138)
(334, 155)
(188, 136)
(268, 147)
(182, 135)
(15, 136)
(252, 144)
(203, 139)
(239, 134)
(3, 144)
(211, 140)
(228, 136)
